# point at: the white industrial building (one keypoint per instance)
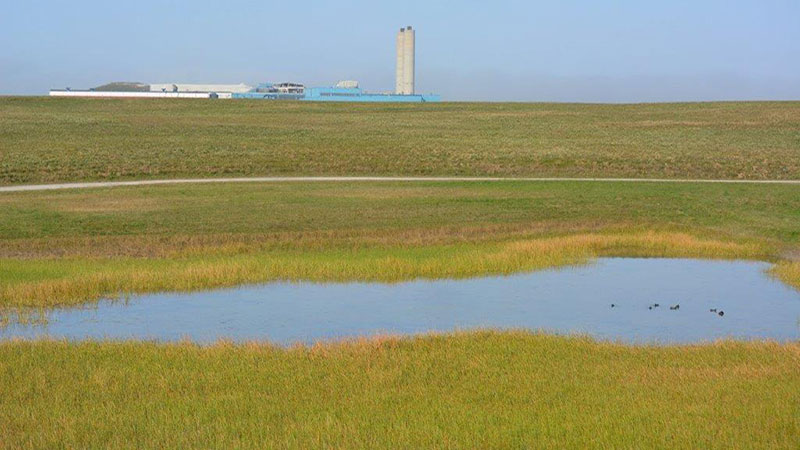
(186, 87)
(159, 90)
(127, 94)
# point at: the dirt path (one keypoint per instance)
(106, 184)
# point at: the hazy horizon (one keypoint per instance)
(575, 51)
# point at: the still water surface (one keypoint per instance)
(567, 300)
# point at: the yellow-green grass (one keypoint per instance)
(189, 219)
(54, 140)
(33, 283)
(788, 271)
(68, 247)
(465, 390)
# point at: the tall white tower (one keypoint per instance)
(404, 73)
(398, 84)
(408, 62)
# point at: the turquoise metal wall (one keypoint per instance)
(332, 94)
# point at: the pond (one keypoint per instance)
(749, 305)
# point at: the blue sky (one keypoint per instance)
(592, 51)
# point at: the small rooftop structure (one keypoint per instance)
(347, 84)
(288, 88)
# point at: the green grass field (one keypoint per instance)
(474, 389)
(54, 140)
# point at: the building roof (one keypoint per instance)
(187, 87)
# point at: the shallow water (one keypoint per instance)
(567, 300)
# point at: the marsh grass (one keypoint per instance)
(479, 389)
(54, 282)
(788, 272)
(26, 316)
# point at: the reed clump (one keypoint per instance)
(788, 272)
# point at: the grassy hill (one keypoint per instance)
(53, 140)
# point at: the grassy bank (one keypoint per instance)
(789, 272)
(234, 218)
(72, 246)
(43, 283)
(53, 140)
(479, 389)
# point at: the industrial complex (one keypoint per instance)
(343, 91)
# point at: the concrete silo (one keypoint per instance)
(398, 85)
(408, 61)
